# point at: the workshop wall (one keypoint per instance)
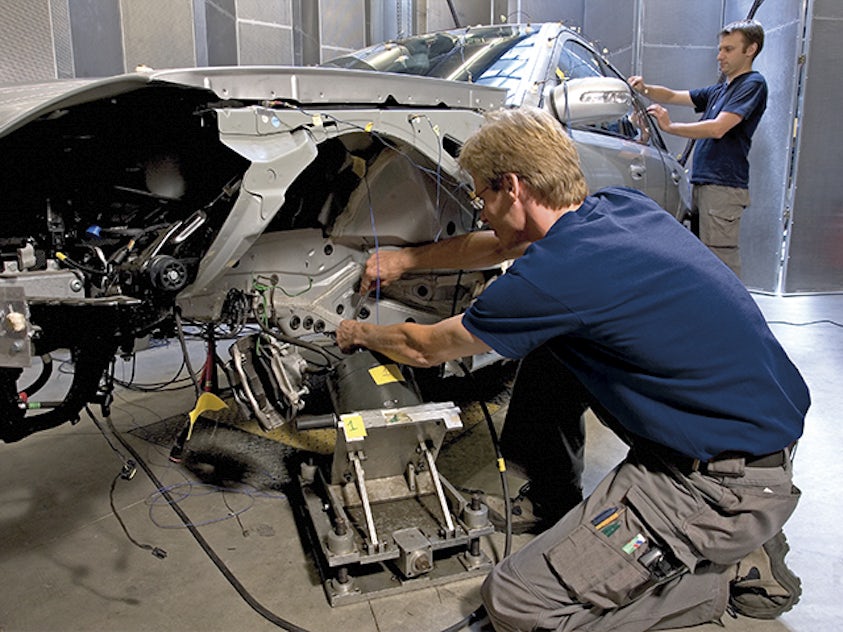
(765, 224)
(814, 258)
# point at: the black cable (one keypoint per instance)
(823, 321)
(43, 377)
(185, 355)
(209, 551)
(480, 612)
(270, 616)
(454, 15)
(501, 461)
(156, 551)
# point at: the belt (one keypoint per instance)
(774, 459)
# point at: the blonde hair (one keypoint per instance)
(530, 143)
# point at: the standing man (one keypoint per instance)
(731, 111)
(692, 517)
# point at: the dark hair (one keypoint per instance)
(752, 31)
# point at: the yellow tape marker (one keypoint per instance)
(386, 374)
(501, 465)
(354, 426)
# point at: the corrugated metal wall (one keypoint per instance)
(34, 40)
(815, 253)
(671, 42)
(764, 225)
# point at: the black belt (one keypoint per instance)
(774, 459)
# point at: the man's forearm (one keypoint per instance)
(711, 128)
(663, 94)
(394, 341)
(476, 250)
(412, 343)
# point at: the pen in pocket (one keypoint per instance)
(610, 529)
(603, 515)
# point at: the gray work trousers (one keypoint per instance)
(720, 209)
(578, 577)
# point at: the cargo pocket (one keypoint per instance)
(752, 510)
(728, 204)
(600, 566)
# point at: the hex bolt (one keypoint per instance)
(475, 501)
(340, 527)
(342, 575)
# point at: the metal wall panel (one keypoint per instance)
(615, 37)
(434, 15)
(221, 33)
(678, 49)
(305, 20)
(815, 253)
(158, 33)
(762, 226)
(97, 37)
(568, 11)
(26, 46)
(269, 11)
(265, 32)
(63, 47)
(342, 26)
(265, 44)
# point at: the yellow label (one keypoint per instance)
(354, 426)
(386, 374)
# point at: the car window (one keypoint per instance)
(460, 55)
(576, 61)
(512, 66)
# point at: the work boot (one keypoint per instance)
(526, 516)
(764, 587)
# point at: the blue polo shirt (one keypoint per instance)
(724, 160)
(654, 325)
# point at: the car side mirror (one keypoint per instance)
(589, 100)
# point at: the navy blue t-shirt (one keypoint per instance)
(654, 325)
(724, 160)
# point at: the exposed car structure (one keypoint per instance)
(234, 194)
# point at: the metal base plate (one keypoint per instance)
(380, 581)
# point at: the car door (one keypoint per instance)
(626, 151)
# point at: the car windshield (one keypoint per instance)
(494, 55)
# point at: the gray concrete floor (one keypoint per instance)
(65, 563)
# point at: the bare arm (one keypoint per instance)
(710, 128)
(411, 343)
(660, 94)
(470, 251)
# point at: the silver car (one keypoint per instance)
(251, 197)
